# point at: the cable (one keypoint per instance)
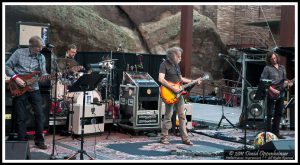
(268, 25)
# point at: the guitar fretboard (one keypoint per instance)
(50, 76)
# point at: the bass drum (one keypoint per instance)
(90, 97)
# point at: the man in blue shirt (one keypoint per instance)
(24, 61)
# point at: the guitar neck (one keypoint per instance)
(42, 78)
(45, 77)
(286, 84)
(189, 84)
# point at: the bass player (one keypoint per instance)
(25, 61)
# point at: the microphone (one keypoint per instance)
(223, 55)
(49, 45)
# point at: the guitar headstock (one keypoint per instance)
(205, 77)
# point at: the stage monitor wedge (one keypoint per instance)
(17, 150)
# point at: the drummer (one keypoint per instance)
(71, 52)
(58, 64)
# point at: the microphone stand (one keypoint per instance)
(109, 89)
(52, 157)
(245, 91)
(223, 116)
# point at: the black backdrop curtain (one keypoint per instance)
(150, 63)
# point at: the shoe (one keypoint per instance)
(188, 142)
(41, 146)
(164, 141)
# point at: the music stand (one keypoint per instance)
(261, 94)
(86, 82)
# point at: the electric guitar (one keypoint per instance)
(16, 90)
(281, 87)
(169, 97)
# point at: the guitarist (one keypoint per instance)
(24, 61)
(277, 73)
(169, 71)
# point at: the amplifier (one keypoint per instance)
(93, 119)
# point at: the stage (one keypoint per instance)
(120, 144)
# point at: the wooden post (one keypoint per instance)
(186, 41)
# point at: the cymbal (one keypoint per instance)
(110, 60)
(66, 63)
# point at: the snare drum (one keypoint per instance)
(89, 97)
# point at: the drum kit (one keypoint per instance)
(103, 67)
(64, 98)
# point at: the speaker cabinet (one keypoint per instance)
(10, 116)
(188, 110)
(93, 119)
(17, 150)
(254, 69)
(9, 120)
(279, 145)
(256, 108)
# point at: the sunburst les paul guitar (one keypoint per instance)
(16, 90)
(169, 97)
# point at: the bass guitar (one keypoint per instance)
(280, 87)
(16, 90)
(169, 97)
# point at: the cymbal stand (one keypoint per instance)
(109, 90)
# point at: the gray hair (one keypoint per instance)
(171, 52)
(36, 41)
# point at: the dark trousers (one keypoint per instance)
(277, 106)
(35, 99)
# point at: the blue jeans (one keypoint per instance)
(35, 99)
